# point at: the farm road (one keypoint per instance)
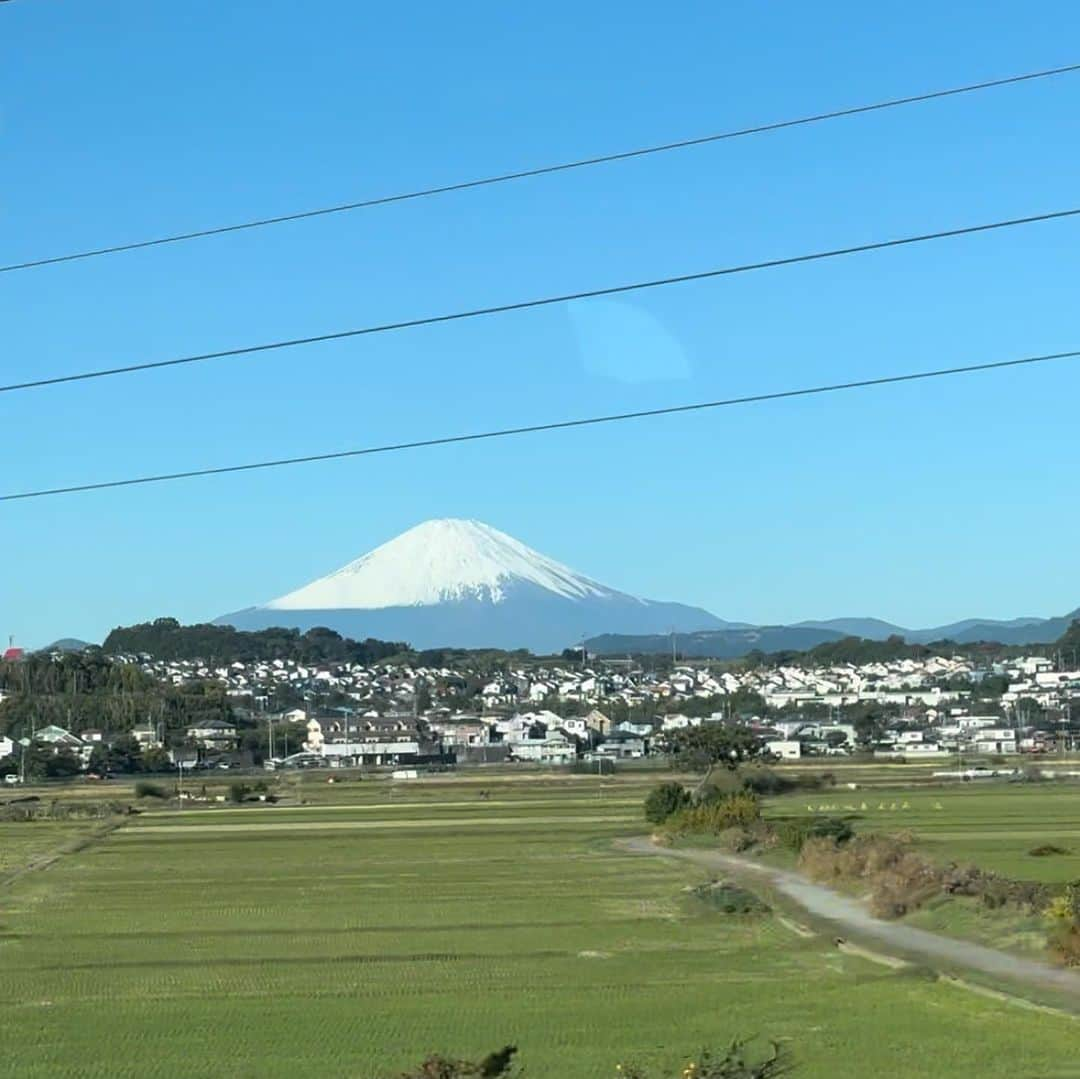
(847, 915)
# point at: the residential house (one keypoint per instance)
(996, 740)
(58, 738)
(621, 745)
(212, 734)
(146, 734)
(544, 747)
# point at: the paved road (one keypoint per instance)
(849, 916)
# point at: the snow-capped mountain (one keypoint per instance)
(466, 584)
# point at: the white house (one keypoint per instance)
(1000, 740)
(553, 748)
(678, 722)
(212, 734)
(146, 735)
(58, 738)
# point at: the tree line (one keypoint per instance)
(166, 639)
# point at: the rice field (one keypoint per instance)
(353, 935)
(995, 826)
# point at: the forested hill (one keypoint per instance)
(166, 639)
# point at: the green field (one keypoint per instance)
(994, 825)
(351, 936)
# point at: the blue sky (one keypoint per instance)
(120, 120)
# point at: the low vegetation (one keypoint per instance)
(735, 1062)
(1063, 915)
(728, 897)
(249, 943)
(899, 880)
(499, 1063)
(665, 800)
(714, 817)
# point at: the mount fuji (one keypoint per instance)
(455, 583)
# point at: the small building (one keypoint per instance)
(786, 749)
(146, 735)
(58, 738)
(621, 745)
(212, 734)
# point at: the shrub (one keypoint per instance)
(729, 898)
(765, 781)
(238, 792)
(439, 1067)
(145, 789)
(995, 891)
(835, 828)
(733, 1063)
(664, 801)
(1064, 915)
(1065, 944)
(1072, 897)
(734, 811)
(1047, 850)
(737, 840)
(795, 831)
(900, 880)
(720, 786)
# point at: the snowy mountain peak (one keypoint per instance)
(435, 562)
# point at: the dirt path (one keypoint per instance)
(848, 916)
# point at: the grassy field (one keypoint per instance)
(995, 826)
(352, 935)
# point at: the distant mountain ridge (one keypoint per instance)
(732, 643)
(1029, 630)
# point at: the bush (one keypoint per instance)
(719, 787)
(995, 891)
(835, 828)
(793, 832)
(145, 789)
(238, 792)
(734, 1063)
(1065, 944)
(734, 811)
(1064, 915)
(439, 1067)
(765, 781)
(900, 880)
(664, 801)
(1047, 850)
(730, 898)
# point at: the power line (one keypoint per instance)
(542, 170)
(522, 305)
(558, 425)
